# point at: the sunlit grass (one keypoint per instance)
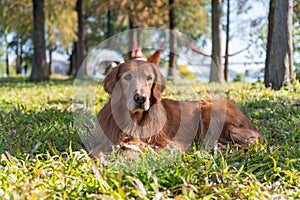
(42, 156)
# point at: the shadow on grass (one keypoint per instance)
(29, 132)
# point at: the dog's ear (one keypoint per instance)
(159, 85)
(111, 79)
(155, 58)
(109, 68)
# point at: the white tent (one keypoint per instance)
(102, 58)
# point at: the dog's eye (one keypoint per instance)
(128, 77)
(149, 78)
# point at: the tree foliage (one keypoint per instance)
(16, 20)
(61, 22)
(192, 17)
(296, 30)
(17, 16)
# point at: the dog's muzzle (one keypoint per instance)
(139, 99)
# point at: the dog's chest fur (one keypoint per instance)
(159, 126)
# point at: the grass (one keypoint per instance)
(42, 156)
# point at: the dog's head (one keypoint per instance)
(139, 83)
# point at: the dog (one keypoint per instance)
(137, 114)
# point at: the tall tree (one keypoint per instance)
(18, 43)
(40, 70)
(278, 69)
(61, 20)
(6, 56)
(11, 25)
(79, 47)
(173, 42)
(227, 41)
(109, 20)
(101, 21)
(4, 31)
(216, 71)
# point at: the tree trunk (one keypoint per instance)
(109, 20)
(216, 71)
(80, 43)
(279, 68)
(40, 70)
(72, 57)
(109, 24)
(50, 51)
(227, 42)
(18, 59)
(21, 53)
(7, 62)
(133, 36)
(270, 27)
(6, 55)
(172, 71)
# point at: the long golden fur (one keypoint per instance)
(137, 114)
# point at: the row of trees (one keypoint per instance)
(33, 28)
(19, 30)
(76, 26)
(279, 52)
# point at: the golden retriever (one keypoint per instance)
(138, 114)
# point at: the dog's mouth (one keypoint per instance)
(140, 108)
(137, 111)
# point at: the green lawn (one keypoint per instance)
(42, 156)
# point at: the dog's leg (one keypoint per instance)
(234, 127)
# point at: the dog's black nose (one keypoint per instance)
(139, 98)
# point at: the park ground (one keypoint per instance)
(42, 156)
